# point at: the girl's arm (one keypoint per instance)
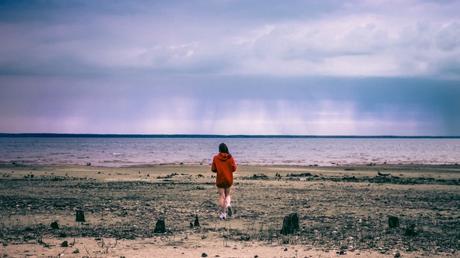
(213, 166)
(233, 163)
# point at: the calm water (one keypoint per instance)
(293, 151)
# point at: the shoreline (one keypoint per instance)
(341, 210)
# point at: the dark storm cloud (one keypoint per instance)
(297, 67)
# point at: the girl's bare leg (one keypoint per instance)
(228, 198)
(221, 199)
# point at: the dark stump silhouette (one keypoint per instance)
(290, 224)
(54, 225)
(79, 216)
(196, 223)
(410, 230)
(160, 227)
(393, 222)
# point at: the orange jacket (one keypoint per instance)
(224, 165)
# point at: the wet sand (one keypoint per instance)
(342, 211)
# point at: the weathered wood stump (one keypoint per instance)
(79, 215)
(160, 226)
(410, 230)
(54, 225)
(393, 222)
(290, 224)
(65, 244)
(196, 223)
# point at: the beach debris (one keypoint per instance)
(393, 222)
(54, 225)
(79, 215)
(410, 230)
(290, 224)
(168, 176)
(259, 176)
(160, 226)
(245, 237)
(65, 244)
(204, 255)
(88, 164)
(277, 176)
(342, 252)
(383, 174)
(305, 174)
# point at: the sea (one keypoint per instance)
(129, 150)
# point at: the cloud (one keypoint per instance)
(307, 67)
(359, 38)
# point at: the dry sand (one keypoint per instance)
(342, 211)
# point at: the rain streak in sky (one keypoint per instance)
(231, 67)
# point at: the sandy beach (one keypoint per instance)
(341, 210)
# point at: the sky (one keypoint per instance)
(369, 67)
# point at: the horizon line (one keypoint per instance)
(115, 135)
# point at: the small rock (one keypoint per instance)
(88, 164)
(397, 254)
(65, 244)
(342, 252)
(204, 255)
(285, 249)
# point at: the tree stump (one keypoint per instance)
(393, 222)
(80, 216)
(410, 230)
(160, 227)
(54, 225)
(196, 223)
(290, 224)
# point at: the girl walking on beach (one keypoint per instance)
(224, 165)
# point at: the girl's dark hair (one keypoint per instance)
(223, 148)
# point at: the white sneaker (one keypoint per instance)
(223, 216)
